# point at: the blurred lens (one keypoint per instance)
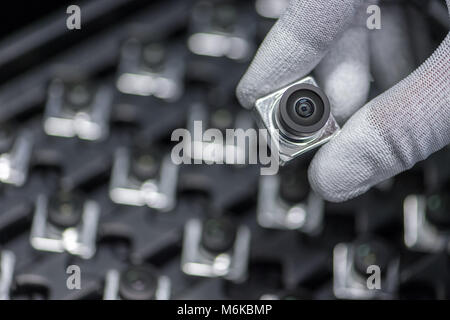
(65, 210)
(438, 210)
(78, 96)
(218, 235)
(138, 283)
(371, 251)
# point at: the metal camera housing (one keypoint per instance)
(232, 264)
(114, 285)
(290, 135)
(420, 234)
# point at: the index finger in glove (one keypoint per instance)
(295, 45)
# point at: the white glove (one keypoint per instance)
(389, 134)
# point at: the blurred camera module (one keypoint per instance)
(352, 264)
(151, 69)
(297, 118)
(216, 247)
(141, 282)
(78, 109)
(201, 118)
(15, 156)
(65, 221)
(221, 29)
(427, 222)
(286, 201)
(144, 176)
(7, 263)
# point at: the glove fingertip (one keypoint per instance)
(319, 183)
(244, 95)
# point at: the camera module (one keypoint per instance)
(138, 283)
(297, 117)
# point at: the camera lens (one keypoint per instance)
(371, 251)
(153, 55)
(78, 96)
(304, 107)
(138, 283)
(65, 210)
(145, 164)
(438, 210)
(303, 110)
(218, 235)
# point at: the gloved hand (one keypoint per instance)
(387, 135)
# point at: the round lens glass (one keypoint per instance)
(304, 107)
